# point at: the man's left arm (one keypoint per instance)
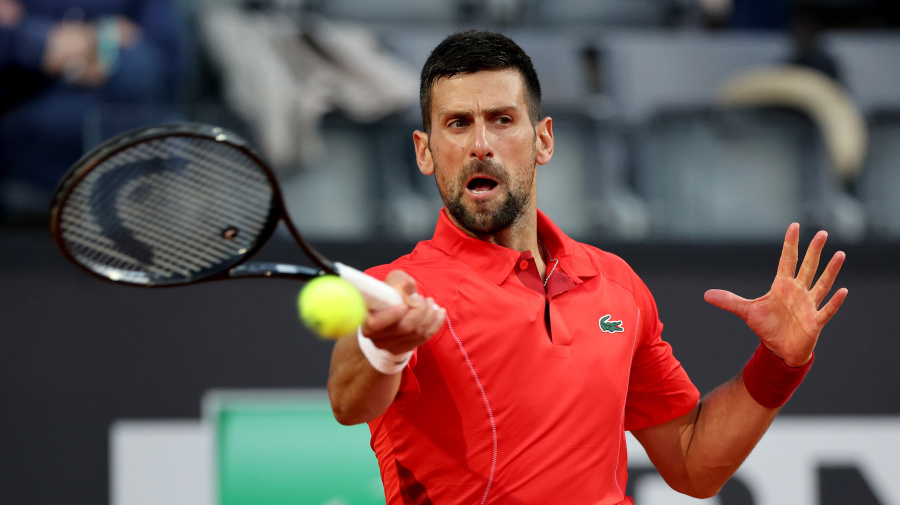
(698, 452)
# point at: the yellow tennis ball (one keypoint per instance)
(331, 306)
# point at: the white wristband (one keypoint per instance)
(385, 362)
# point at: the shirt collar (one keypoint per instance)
(495, 262)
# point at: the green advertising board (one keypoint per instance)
(286, 448)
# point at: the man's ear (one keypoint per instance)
(423, 153)
(544, 140)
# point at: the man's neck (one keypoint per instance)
(520, 236)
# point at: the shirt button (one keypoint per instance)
(523, 265)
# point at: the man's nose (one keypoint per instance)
(481, 146)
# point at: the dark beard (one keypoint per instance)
(483, 223)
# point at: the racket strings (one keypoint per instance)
(167, 211)
(189, 197)
(175, 204)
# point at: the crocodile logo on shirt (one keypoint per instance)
(610, 326)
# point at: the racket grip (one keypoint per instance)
(377, 294)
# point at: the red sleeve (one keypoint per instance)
(659, 389)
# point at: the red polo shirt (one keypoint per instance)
(524, 395)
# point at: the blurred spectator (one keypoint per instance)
(804, 15)
(804, 21)
(809, 18)
(756, 14)
(820, 15)
(63, 59)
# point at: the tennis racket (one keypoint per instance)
(178, 204)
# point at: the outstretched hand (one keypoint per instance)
(788, 319)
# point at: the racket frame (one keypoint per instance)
(242, 268)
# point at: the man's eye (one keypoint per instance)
(504, 120)
(456, 123)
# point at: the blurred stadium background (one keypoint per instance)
(683, 145)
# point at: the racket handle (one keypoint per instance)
(377, 294)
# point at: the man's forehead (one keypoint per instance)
(490, 88)
(510, 74)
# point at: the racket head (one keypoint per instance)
(167, 205)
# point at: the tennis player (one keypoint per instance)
(521, 356)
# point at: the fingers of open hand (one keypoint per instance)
(819, 290)
(823, 287)
(726, 300)
(807, 272)
(788, 262)
(826, 280)
(811, 261)
(830, 308)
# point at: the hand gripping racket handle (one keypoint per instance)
(377, 294)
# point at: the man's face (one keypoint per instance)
(483, 149)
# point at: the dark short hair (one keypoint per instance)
(472, 51)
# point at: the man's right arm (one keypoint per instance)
(359, 393)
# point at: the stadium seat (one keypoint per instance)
(708, 170)
(869, 66)
(719, 175)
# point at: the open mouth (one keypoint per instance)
(480, 185)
